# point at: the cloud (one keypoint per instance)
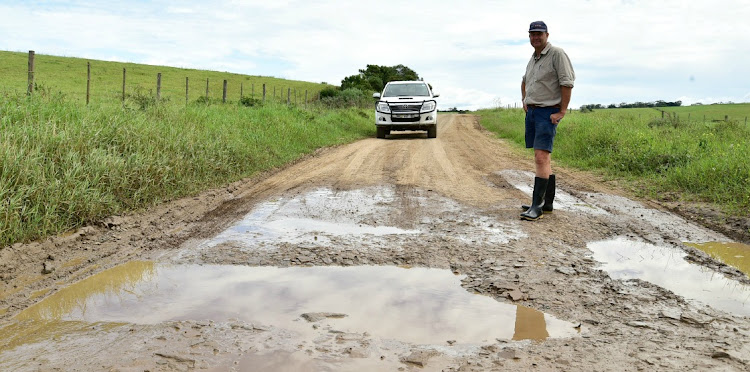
(473, 52)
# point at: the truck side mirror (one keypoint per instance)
(435, 95)
(376, 95)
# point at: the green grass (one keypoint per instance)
(69, 76)
(666, 158)
(64, 164)
(739, 112)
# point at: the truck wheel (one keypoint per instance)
(382, 131)
(432, 132)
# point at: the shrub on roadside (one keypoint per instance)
(351, 97)
(250, 101)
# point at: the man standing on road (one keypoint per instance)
(545, 89)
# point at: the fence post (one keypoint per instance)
(123, 86)
(305, 98)
(241, 90)
(158, 86)
(88, 82)
(30, 89)
(264, 92)
(288, 92)
(206, 89)
(187, 84)
(224, 94)
(252, 91)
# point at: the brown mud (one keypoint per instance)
(114, 296)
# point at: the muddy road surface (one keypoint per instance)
(403, 254)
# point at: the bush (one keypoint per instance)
(351, 97)
(203, 100)
(250, 102)
(328, 92)
(142, 99)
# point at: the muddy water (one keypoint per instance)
(733, 254)
(416, 305)
(362, 216)
(665, 267)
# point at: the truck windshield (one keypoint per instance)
(401, 90)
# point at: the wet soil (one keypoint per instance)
(449, 204)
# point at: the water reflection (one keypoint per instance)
(665, 267)
(530, 324)
(733, 254)
(418, 305)
(324, 215)
(71, 302)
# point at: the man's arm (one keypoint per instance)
(523, 95)
(566, 93)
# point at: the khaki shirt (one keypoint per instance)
(545, 75)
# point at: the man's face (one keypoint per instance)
(538, 39)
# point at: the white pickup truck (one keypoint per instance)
(406, 105)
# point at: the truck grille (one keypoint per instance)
(414, 108)
(405, 113)
(405, 120)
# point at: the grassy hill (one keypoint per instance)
(69, 75)
(64, 164)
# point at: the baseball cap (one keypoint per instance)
(538, 26)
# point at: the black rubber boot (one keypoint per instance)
(549, 196)
(537, 200)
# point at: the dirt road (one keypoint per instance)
(398, 254)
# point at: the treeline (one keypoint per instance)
(455, 109)
(374, 77)
(356, 90)
(659, 103)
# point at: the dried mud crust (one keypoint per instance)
(625, 325)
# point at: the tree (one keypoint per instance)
(374, 77)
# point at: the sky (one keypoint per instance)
(472, 52)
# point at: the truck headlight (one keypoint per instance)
(383, 107)
(428, 106)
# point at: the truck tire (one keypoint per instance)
(382, 132)
(432, 131)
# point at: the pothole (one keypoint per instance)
(667, 268)
(414, 305)
(366, 217)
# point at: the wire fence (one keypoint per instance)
(264, 92)
(689, 117)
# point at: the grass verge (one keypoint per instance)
(668, 158)
(64, 165)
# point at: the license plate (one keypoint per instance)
(405, 116)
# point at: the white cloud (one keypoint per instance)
(474, 52)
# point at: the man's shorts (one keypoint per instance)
(540, 132)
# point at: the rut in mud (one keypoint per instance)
(398, 254)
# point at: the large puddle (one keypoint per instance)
(415, 305)
(666, 267)
(363, 217)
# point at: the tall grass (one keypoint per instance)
(695, 160)
(63, 165)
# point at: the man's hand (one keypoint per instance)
(556, 117)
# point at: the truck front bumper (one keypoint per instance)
(406, 121)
